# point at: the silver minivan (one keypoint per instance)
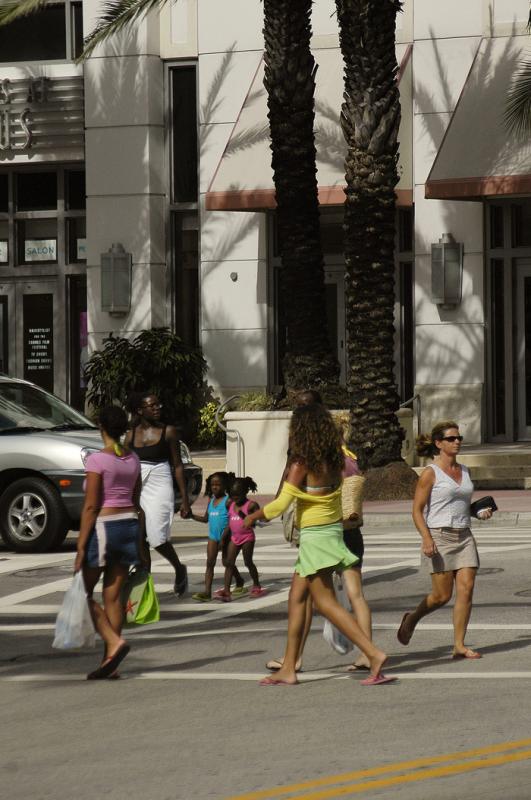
(43, 445)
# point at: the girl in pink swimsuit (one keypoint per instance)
(241, 538)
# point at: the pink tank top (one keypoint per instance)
(236, 522)
(119, 476)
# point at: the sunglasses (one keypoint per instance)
(452, 438)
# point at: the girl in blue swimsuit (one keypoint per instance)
(217, 517)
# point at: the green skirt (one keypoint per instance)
(322, 547)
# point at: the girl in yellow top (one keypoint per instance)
(314, 479)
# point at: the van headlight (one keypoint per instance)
(186, 458)
(86, 452)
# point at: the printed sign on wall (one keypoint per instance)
(3, 252)
(38, 339)
(40, 250)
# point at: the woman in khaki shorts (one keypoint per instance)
(441, 513)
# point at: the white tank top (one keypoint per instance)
(449, 502)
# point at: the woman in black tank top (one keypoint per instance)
(157, 444)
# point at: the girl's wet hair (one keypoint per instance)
(226, 479)
(113, 420)
(247, 484)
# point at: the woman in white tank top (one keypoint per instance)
(441, 513)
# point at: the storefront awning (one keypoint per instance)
(243, 180)
(478, 157)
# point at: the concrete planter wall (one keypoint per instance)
(257, 442)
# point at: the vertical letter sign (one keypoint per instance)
(38, 339)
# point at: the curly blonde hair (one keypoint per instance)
(315, 439)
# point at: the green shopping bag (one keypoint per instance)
(141, 603)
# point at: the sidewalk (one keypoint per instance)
(514, 509)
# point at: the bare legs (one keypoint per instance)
(321, 590)
(360, 607)
(230, 565)
(109, 619)
(441, 593)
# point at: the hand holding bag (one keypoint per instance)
(139, 598)
(74, 626)
(352, 500)
(482, 505)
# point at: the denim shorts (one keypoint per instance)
(114, 540)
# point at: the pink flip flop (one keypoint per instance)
(258, 591)
(376, 680)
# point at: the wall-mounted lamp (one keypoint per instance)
(116, 280)
(446, 271)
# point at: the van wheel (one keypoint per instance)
(32, 516)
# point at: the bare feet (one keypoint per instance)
(377, 662)
(280, 679)
(465, 652)
(276, 663)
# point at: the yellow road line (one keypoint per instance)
(438, 772)
(265, 794)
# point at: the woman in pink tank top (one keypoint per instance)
(109, 536)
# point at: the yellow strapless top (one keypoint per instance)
(311, 509)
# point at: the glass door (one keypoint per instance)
(37, 357)
(335, 313)
(523, 347)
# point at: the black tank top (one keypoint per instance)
(155, 453)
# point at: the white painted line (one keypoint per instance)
(305, 677)
(35, 591)
(17, 563)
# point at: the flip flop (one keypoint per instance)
(275, 664)
(201, 597)
(108, 667)
(239, 591)
(467, 654)
(271, 681)
(257, 591)
(376, 680)
(400, 634)
(358, 668)
(223, 596)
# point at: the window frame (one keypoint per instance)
(69, 33)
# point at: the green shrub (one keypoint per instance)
(208, 434)
(155, 360)
(256, 401)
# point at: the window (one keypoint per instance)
(53, 33)
(42, 217)
(184, 134)
(186, 276)
(405, 342)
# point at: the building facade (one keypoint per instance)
(160, 143)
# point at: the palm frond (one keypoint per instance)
(517, 113)
(116, 15)
(10, 10)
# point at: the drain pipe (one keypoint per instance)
(240, 456)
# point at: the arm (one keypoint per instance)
(178, 469)
(199, 518)
(296, 475)
(143, 548)
(422, 495)
(90, 511)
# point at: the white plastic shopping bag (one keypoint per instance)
(74, 627)
(331, 634)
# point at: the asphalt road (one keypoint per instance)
(189, 721)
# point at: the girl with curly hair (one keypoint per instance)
(314, 480)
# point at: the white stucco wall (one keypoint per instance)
(124, 101)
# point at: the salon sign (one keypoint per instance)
(41, 114)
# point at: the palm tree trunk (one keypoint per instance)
(370, 120)
(310, 361)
